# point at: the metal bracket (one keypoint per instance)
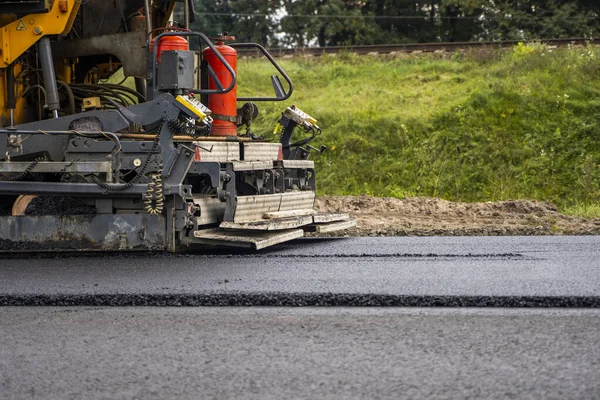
(229, 194)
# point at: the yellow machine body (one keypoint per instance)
(19, 35)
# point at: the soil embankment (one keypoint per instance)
(418, 216)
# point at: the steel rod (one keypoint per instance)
(186, 15)
(45, 53)
(182, 138)
(139, 136)
(148, 13)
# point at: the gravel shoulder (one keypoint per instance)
(420, 216)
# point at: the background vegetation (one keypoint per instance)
(300, 23)
(478, 126)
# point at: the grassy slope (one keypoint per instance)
(469, 127)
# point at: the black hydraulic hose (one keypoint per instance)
(118, 96)
(99, 93)
(111, 87)
(111, 93)
(127, 96)
(69, 95)
(34, 87)
(141, 97)
(109, 104)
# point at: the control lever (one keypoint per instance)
(320, 151)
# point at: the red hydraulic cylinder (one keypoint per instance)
(223, 106)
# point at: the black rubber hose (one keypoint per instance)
(104, 93)
(128, 96)
(140, 97)
(34, 87)
(69, 95)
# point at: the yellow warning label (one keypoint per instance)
(21, 26)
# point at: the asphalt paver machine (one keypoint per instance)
(155, 162)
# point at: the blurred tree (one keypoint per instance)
(459, 20)
(247, 20)
(301, 23)
(541, 19)
(403, 20)
(327, 23)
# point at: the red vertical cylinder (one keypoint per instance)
(167, 43)
(223, 106)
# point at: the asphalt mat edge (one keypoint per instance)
(274, 299)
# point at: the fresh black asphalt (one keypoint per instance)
(435, 271)
(535, 332)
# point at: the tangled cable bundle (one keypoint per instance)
(122, 95)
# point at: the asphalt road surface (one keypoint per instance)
(434, 271)
(534, 334)
(305, 353)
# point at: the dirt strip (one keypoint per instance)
(419, 216)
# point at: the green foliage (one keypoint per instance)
(541, 19)
(345, 22)
(247, 20)
(474, 127)
(335, 22)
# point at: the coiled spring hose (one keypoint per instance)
(24, 174)
(155, 198)
(116, 187)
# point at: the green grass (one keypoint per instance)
(584, 211)
(483, 126)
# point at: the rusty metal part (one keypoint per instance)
(127, 47)
(123, 232)
(91, 103)
(182, 138)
